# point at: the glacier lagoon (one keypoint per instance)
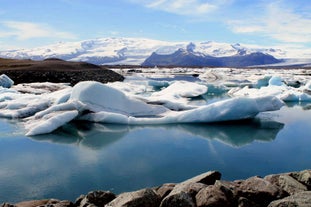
(84, 156)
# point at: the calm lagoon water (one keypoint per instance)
(82, 156)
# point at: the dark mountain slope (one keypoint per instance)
(184, 58)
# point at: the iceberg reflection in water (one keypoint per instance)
(97, 136)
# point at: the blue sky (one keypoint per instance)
(26, 24)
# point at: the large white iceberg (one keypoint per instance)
(100, 97)
(44, 107)
(97, 102)
(227, 110)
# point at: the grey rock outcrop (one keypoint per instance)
(178, 199)
(165, 189)
(45, 203)
(301, 199)
(259, 190)
(145, 197)
(95, 198)
(183, 194)
(215, 196)
(304, 177)
(287, 183)
(205, 190)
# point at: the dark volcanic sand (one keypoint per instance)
(56, 71)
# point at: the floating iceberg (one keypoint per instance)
(5, 81)
(97, 102)
(276, 87)
(233, 95)
(175, 96)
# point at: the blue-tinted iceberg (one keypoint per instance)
(97, 102)
(276, 87)
(5, 81)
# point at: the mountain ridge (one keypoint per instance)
(135, 51)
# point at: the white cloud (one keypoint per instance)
(29, 30)
(241, 27)
(277, 22)
(183, 7)
(173, 27)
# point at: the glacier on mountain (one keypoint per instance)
(132, 51)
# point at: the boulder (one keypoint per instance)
(182, 199)
(244, 202)
(259, 190)
(45, 203)
(232, 186)
(215, 196)
(303, 176)
(145, 197)
(301, 199)
(7, 205)
(287, 183)
(59, 204)
(184, 193)
(165, 189)
(97, 198)
(208, 178)
(190, 188)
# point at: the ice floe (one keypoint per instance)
(98, 102)
(176, 95)
(139, 100)
(276, 87)
(5, 81)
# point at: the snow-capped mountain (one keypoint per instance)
(133, 51)
(189, 58)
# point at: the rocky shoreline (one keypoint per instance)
(205, 190)
(56, 71)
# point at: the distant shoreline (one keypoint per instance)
(57, 71)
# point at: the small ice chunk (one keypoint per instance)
(50, 122)
(307, 88)
(23, 107)
(183, 89)
(5, 81)
(276, 81)
(263, 82)
(175, 96)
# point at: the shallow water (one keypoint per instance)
(82, 156)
